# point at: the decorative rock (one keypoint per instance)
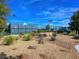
(76, 36)
(14, 48)
(77, 48)
(31, 47)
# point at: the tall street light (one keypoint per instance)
(49, 22)
(25, 26)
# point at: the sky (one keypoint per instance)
(40, 11)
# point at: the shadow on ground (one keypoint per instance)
(4, 56)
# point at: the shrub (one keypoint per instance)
(8, 40)
(72, 33)
(2, 34)
(33, 34)
(14, 37)
(21, 35)
(65, 33)
(59, 31)
(28, 37)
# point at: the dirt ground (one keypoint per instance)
(62, 48)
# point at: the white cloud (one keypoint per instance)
(23, 7)
(44, 13)
(57, 16)
(68, 9)
(65, 22)
(54, 21)
(24, 23)
(60, 15)
(50, 8)
(59, 12)
(63, 9)
(31, 1)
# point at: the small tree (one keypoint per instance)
(3, 11)
(74, 24)
(2, 23)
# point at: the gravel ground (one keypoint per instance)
(62, 48)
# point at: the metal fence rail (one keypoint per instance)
(20, 28)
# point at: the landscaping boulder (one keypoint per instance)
(65, 33)
(76, 36)
(31, 47)
(53, 39)
(77, 48)
(45, 35)
(40, 39)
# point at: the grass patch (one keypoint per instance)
(72, 33)
(8, 40)
(27, 37)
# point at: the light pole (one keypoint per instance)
(25, 26)
(49, 22)
(30, 26)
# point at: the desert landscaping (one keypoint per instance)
(39, 29)
(61, 48)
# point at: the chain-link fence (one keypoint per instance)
(21, 28)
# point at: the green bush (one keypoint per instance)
(59, 31)
(8, 40)
(28, 37)
(14, 37)
(2, 34)
(72, 33)
(43, 30)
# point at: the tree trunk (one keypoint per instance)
(78, 32)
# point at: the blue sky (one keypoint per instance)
(40, 11)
